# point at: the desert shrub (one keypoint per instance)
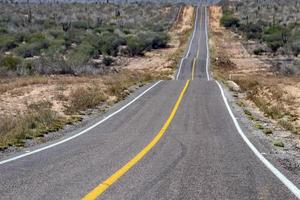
(3, 30)
(39, 121)
(50, 65)
(30, 38)
(56, 33)
(109, 43)
(135, 45)
(252, 31)
(7, 42)
(296, 48)
(32, 49)
(85, 98)
(73, 36)
(153, 40)
(81, 54)
(228, 20)
(49, 23)
(80, 25)
(104, 29)
(276, 29)
(107, 61)
(274, 36)
(92, 39)
(56, 46)
(10, 62)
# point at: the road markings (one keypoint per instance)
(190, 45)
(291, 186)
(98, 190)
(82, 132)
(207, 47)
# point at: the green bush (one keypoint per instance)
(109, 43)
(10, 62)
(135, 45)
(81, 54)
(276, 29)
(30, 38)
(56, 46)
(252, 31)
(228, 20)
(154, 40)
(273, 36)
(107, 61)
(296, 48)
(32, 49)
(80, 25)
(73, 36)
(3, 30)
(56, 33)
(7, 42)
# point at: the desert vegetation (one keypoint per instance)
(273, 25)
(77, 38)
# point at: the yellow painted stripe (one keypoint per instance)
(97, 191)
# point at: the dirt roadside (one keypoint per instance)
(62, 93)
(269, 103)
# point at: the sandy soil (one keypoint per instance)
(18, 93)
(54, 89)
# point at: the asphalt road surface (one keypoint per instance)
(172, 140)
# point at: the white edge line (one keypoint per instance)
(207, 47)
(80, 133)
(291, 186)
(190, 45)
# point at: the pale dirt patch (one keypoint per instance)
(54, 89)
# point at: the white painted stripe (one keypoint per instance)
(207, 48)
(292, 187)
(190, 45)
(80, 133)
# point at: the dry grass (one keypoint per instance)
(7, 84)
(39, 121)
(84, 98)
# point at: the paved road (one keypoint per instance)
(200, 155)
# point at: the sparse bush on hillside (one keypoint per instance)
(7, 42)
(32, 49)
(10, 62)
(228, 20)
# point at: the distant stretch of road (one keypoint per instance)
(173, 139)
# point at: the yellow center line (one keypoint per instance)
(98, 190)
